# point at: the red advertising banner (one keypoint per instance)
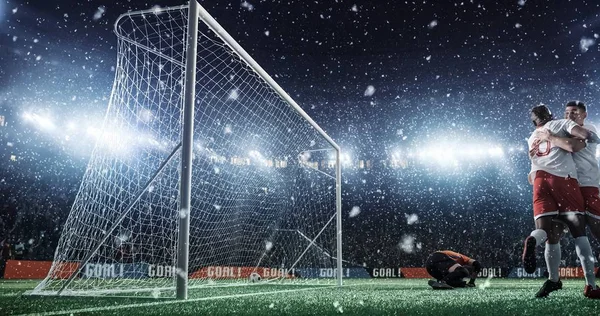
(571, 273)
(415, 273)
(224, 272)
(24, 269)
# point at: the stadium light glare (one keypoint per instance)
(448, 155)
(441, 152)
(474, 153)
(153, 142)
(27, 116)
(43, 122)
(40, 121)
(259, 158)
(145, 116)
(496, 152)
(346, 159)
(513, 149)
(92, 131)
(115, 141)
(255, 154)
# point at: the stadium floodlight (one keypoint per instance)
(496, 151)
(185, 207)
(346, 159)
(447, 154)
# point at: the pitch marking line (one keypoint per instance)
(110, 308)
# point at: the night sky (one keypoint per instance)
(434, 67)
(384, 78)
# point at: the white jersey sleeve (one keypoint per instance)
(561, 127)
(552, 159)
(588, 173)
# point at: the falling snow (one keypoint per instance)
(437, 157)
(407, 244)
(411, 218)
(247, 5)
(99, 13)
(233, 94)
(585, 44)
(354, 211)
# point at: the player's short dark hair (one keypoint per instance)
(580, 105)
(542, 112)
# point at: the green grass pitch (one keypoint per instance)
(356, 297)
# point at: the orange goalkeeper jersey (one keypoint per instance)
(457, 257)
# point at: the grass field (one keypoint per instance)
(357, 297)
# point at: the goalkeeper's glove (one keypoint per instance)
(471, 283)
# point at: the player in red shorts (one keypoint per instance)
(449, 268)
(557, 199)
(587, 168)
(588, 173)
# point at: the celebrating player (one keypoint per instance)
(588, 173)
(449, 268)
(557, 199)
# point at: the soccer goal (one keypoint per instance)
(206, 173)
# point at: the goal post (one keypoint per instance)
(187, 151)
(205, 172)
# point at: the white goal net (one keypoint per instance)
(263, 192)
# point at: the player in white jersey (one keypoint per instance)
(556, 196)
(588, 173)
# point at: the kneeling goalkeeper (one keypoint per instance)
(449, 268)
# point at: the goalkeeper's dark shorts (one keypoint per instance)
(438, 264)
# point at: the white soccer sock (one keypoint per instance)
(584, 252)
(540, 236)
(552, 256)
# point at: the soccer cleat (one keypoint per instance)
(591, 292)
(528, 257)
(439, 285)
(549, 287)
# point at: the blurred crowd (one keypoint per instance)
(404, 215)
